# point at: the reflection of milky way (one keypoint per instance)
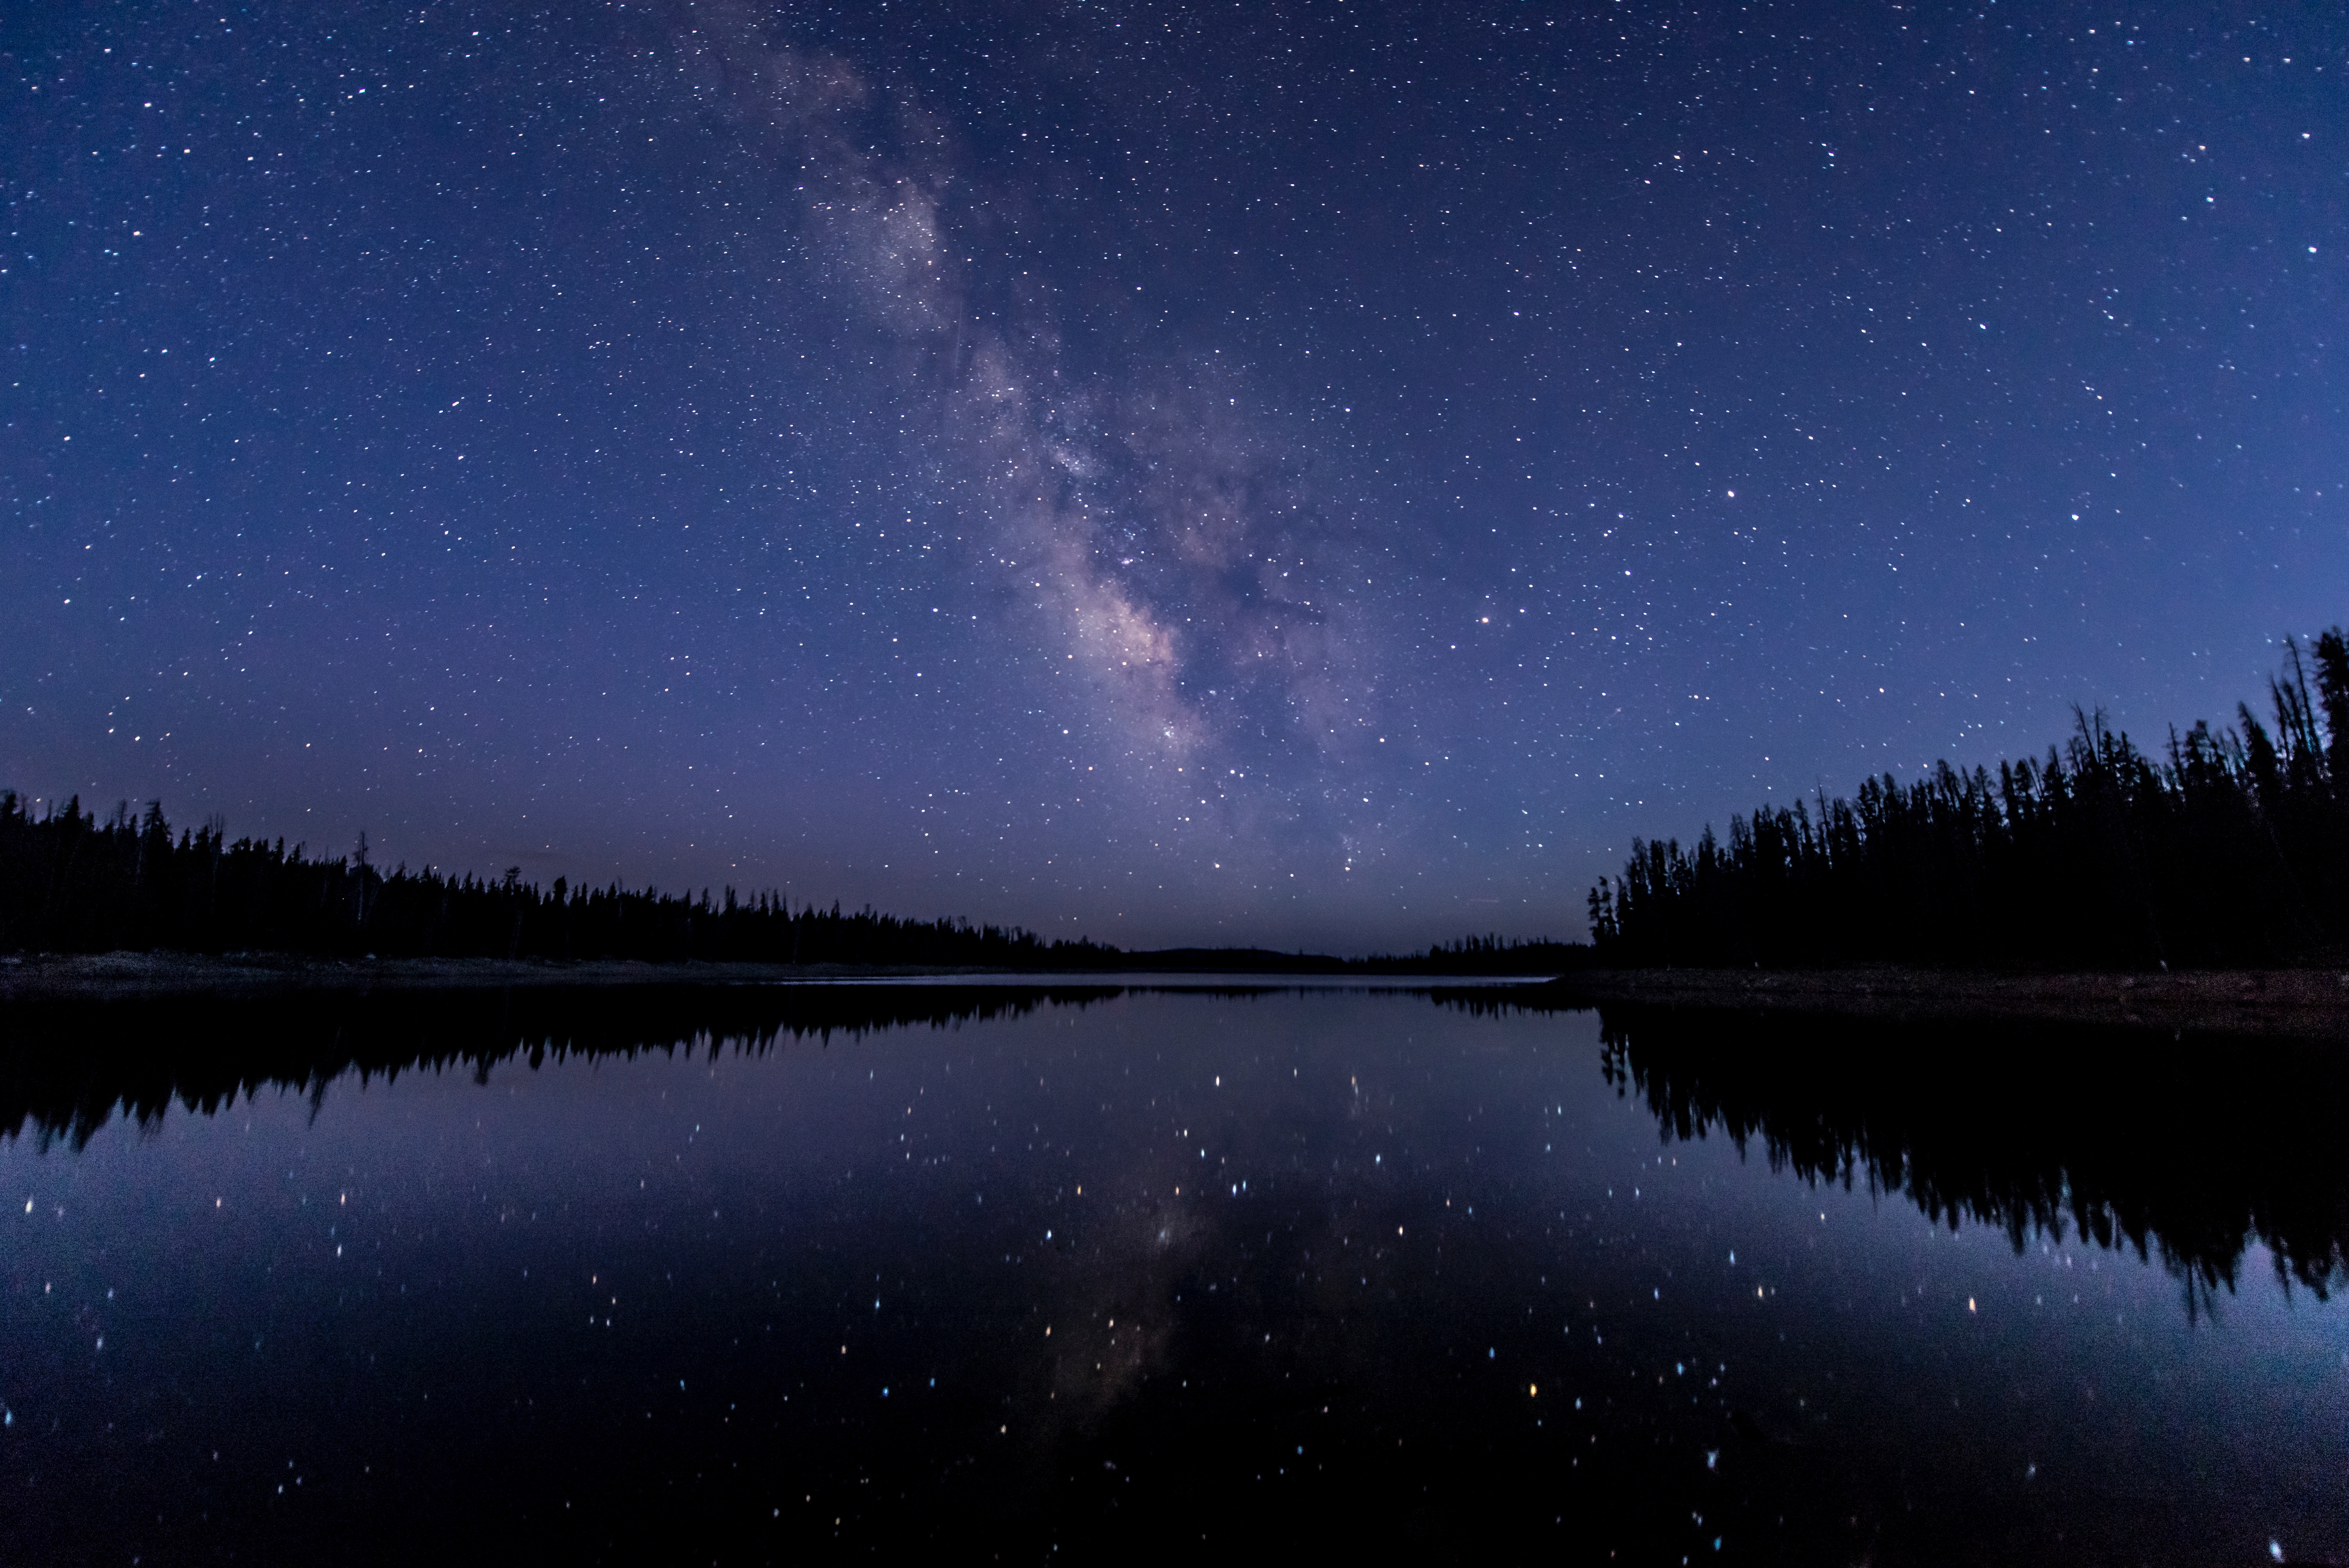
(1114, 1318)
(904, 1267)
(1158, 544)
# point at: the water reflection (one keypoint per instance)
(766, 1273)
(2186, 1149)
(66, 1067)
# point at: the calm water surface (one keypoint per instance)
(688, 1275)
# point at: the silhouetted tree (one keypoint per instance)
(2228, 852)
(70, 882)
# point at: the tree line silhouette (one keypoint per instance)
(2229, 849)
(1490, 954)
(71, 881)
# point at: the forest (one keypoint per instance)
(2228, 847)
(71, 881)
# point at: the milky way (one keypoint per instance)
(1314, 474)
(1154, 539)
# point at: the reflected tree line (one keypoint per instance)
(69, 1067)
(2184, 1150)
(2228, 847)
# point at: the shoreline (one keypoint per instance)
(2302, 1003)
(101, 976)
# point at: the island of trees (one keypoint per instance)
(2227, 848)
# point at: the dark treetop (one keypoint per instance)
(2230, 848)
(70, 882)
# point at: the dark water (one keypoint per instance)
(740, 1276)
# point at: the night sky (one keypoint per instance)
(1310, 474)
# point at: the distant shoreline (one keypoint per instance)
(2304, 1003)
(104, 975)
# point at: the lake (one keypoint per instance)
(753, 1273)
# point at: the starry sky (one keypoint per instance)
(1310, 474)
